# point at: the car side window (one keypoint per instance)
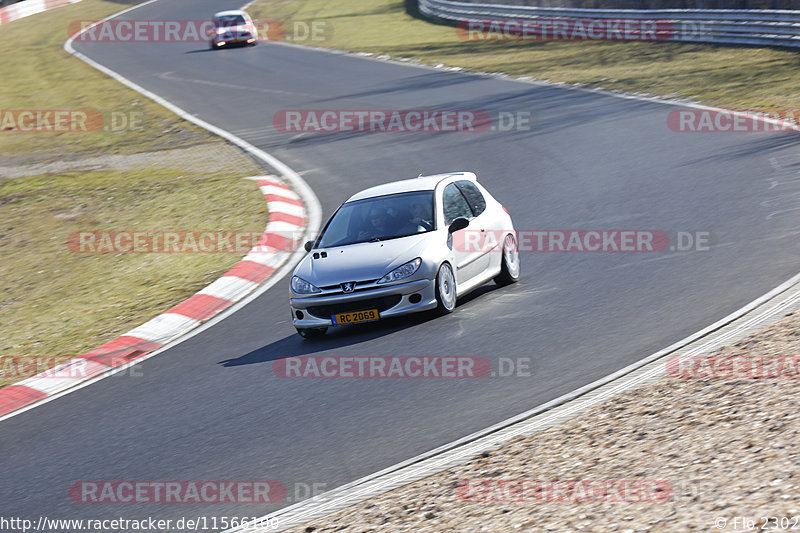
(454, 204)
(473, 196)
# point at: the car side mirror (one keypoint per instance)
(308, 245)
(458, 224)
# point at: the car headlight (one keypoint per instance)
(301, 286)
(402, 272)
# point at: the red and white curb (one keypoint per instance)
(294, 210)
(286, 226)
(30, 7)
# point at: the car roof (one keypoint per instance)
(422, 183)
(229, 13)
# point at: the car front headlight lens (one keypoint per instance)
(301, 286)
(402, 272)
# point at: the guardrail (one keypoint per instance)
(723, 26)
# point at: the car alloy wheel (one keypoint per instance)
(445, 289)
(509, 266)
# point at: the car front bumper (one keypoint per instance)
(234, 40)
(316, 311)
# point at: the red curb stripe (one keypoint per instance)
(200, 306)
(15, 396)
(264, 183)
(4, 17)
(251, 271)
(121, 350)
(50, 4)
(277, 241)
(276, 198)
(127, 348)
(278, 216)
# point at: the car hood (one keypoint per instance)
(362, 261)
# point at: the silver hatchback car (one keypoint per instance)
(403, 247)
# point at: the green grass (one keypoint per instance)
(54, 303)
(38, 74)
(727, 76)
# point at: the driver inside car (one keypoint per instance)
(378, 224)
(421, 219)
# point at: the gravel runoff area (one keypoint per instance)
(713, 446)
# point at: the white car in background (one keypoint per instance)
(400, 248)
(233, 27)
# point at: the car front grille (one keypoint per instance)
(359, 286)
(381, 304)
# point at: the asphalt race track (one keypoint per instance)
(211, 408)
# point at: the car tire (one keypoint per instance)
(445, 289)
(509, 264)
(211, 45)
(311, 333)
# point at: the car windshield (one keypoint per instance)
(230, 20)
(380, 218)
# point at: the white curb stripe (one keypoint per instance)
(278, 191)
(285, 227)
(49, 385)
(270, 257)
(63, 375)
(163, 328)
(289, 209)
(78, 367)
(229, 288)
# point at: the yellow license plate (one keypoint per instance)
(370, 315)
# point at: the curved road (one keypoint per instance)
(212, 409)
